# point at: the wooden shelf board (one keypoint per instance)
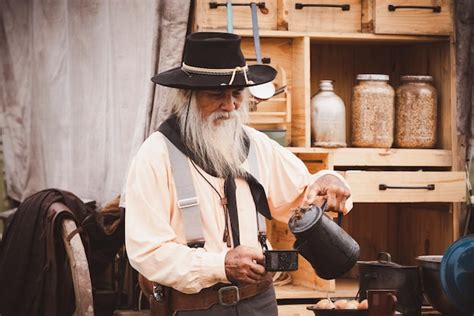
(267, 114)
(344, 288)
(381, 157)
(268, 118)
(275, 100)
(265, 120)
(342, 37)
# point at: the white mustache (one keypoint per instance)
(223, 115)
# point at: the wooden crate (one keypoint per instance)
(207, 18)
(407, 186)
(392, 17)
(276, 111)
(285, 55)
(304, 18)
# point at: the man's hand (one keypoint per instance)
(329, 188)
(244, 265)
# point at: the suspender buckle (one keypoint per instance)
(189, 202)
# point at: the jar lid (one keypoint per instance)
(416, 78)
(326, 85)
(376, 77)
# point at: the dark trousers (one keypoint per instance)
(263, 304)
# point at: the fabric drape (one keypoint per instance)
(75, 88)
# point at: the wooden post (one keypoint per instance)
(464, 21)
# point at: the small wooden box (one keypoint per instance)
(275, 113)
(424, 17)
(207, 18)
(333, 16)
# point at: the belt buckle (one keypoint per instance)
(222, 290)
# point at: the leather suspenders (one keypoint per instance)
(188, 202)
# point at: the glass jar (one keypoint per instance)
(373, 113)
(328, 117)
(416, 113)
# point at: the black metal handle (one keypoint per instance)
(265, 60)
(340, 215)
(215, 5)
(429, 187)
(436, 8)
(344, 7)
(384, 257)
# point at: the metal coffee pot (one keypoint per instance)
(330, 250)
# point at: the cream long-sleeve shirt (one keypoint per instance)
(154, 231)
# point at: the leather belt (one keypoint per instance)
(223, 294)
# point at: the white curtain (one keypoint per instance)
(75, 88)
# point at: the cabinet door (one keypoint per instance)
(394, 187)
(212, 14)
(324, 15)
(429, 17)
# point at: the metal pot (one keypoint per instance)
(385, 274)
(430, 266)
(330, 250)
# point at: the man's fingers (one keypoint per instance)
(255, 254)
(336, 198)
(257, 268)
(342, 204)
(248, 280)
(254, 276)
(332, 202)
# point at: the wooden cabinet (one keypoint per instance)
(405, 222)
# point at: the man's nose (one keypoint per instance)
(228, 103)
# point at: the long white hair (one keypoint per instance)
(219, 147)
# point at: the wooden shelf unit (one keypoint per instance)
(343, 37)
(360, 157)
(404, 223)
(429, 220)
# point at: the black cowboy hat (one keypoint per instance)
(214, 60)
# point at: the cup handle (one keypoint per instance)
(393, 302)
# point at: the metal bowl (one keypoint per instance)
(430, 266)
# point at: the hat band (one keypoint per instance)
(219, 72)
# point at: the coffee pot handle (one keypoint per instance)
(340, 215)
(393, 302)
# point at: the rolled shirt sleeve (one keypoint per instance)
(285, 177)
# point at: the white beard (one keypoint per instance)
(218, 146)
